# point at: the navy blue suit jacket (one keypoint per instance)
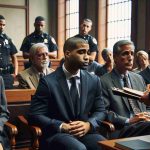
(51, 104)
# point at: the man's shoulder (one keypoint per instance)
(89, 75)
(145, 71)
(77, 35)
(106, 75)
(25, 72)
(135, 75)
(6, 36)
(28, 37)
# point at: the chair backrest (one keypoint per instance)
(18, 101)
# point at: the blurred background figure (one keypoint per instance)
(93, 66)
(141, 59)
(108, 66)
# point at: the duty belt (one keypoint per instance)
(5, 70)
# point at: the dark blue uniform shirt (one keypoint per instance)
(7, 48)
(34, 38)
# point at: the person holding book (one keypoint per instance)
(129, 116)
(146, 98)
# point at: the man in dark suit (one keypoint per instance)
(4, 116)
(129, 116)
(68, 123)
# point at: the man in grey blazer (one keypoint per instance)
(29, 78)
(4, 116)
(64, 124)
(121, 113)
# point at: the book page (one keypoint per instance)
(132, 91)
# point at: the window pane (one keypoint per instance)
(119, 21)
(72, 17)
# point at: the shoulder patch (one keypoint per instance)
(45, 41)
(94, 41)
(53, 40)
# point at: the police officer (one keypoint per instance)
(8, 58)
(85, 28)
(38, 36)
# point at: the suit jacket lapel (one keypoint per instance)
(116, 82)
(134, 85)
(83, 92)
(33, 77)
(63, 83)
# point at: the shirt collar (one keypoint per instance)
(68, 74)
(121, 75)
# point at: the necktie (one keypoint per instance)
(74, 95)
(132, 102)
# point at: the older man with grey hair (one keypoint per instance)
(29, 78)
(130, 117)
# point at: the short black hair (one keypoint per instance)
(73, 43)
(39, 18)
(2, 17)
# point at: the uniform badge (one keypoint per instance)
(6, 41)
(45, 41)
(53, 40)
(94, 41)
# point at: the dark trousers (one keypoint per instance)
(63, 141)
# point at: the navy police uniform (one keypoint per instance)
(34, 38)
(91, 41)
(7, 48)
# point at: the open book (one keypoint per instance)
(127, 92)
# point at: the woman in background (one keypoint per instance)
(141, 61)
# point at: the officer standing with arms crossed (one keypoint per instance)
(38, 36)
(8, 58)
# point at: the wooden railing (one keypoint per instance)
(19, 95)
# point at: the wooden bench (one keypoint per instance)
(18, 101)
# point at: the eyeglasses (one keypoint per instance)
(42, 54)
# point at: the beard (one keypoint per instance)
(45, 64)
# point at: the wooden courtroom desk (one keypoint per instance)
(19, 95)
(110, 144)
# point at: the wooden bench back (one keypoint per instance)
(18, 101)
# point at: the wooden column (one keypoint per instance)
(61, 27)
(102, 27)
